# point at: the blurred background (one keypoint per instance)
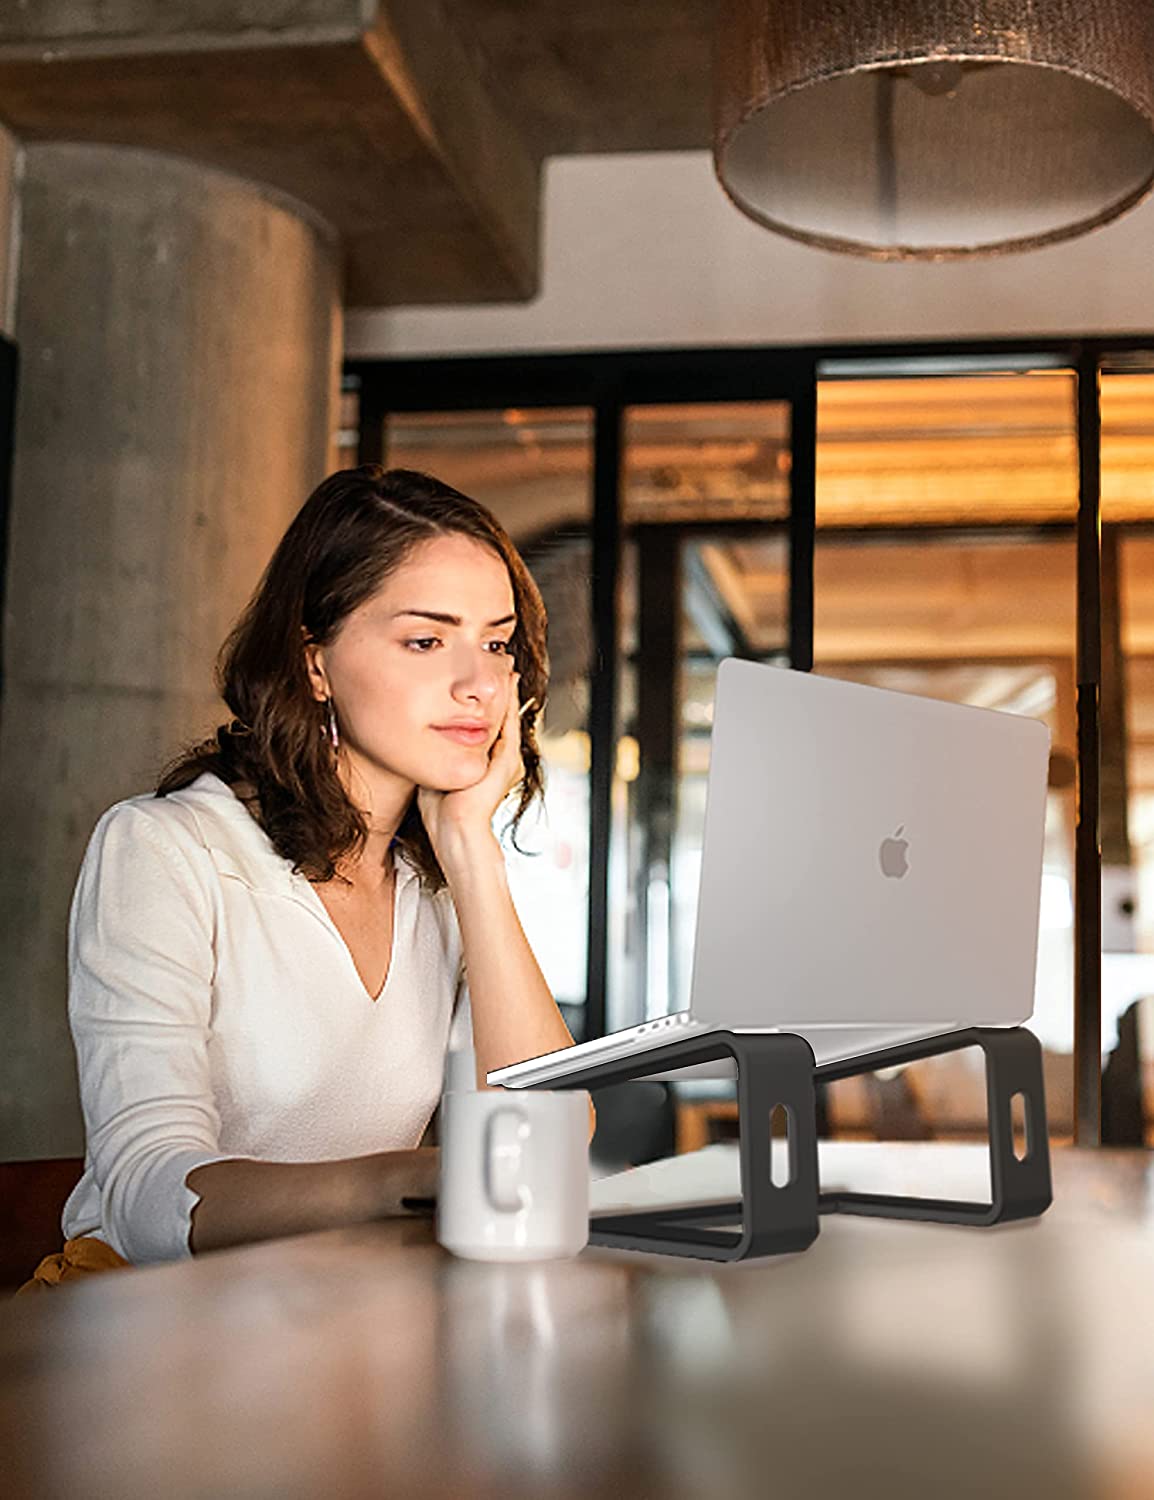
(244, 244)
(944, 564)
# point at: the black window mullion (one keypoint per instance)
(371, 415)
(802, 518)
(603, 696)
(1087, 851)
(659, 661)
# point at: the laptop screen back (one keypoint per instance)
(870, 858)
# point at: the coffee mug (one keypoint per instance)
(514, 1174)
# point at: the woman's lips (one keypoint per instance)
(464, 735)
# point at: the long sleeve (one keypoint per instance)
(141, 964)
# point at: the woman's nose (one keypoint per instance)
(481, 675)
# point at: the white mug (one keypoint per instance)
(514, 1174)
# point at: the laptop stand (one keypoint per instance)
(777, 1068)
(1020, 1186)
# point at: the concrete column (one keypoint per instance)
(179, 340)
(9, 227)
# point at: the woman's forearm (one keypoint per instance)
(514, 1013)
(242, 1201)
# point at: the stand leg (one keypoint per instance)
(772, 1070)
(1020, 1186)
(777, 1218)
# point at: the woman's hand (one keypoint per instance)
(454, 820)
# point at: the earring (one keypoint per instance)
(334, 737)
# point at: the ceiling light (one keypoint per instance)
(934, 129)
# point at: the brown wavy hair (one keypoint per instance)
(354, 530)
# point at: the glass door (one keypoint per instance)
(945, 565)
(532, 468)
(1127, 751)
(705, 516)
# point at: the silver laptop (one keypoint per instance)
(871, 871)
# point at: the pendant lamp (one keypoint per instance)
(934, 129)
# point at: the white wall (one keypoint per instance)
(644, 250)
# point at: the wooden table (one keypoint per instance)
(890, 1359)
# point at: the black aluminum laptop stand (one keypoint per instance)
(777, 1068)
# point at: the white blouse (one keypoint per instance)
(217, 1013)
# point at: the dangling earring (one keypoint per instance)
(334, 737)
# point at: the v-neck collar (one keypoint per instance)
(403, 873)
(240, 848)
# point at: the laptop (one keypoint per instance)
(870, 873)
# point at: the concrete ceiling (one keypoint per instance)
(415, 127)
(598, 75)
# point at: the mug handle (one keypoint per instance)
(505, 1131)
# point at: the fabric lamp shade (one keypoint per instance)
(934, 129)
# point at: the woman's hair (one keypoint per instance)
(353, 531)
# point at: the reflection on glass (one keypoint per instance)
(1138, 641)
(736, 595)
(714, 477)
(529, 466)
(750, 586)
(704, 462)
(622, 1000)
(1127, 447)
(345, 440)
(1128, 848)
(1127, 750)
(957, 450)
(532, 469)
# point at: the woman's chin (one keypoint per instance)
(455, 779)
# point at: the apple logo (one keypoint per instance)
(893, 855)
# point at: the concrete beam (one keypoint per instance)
(601, 75)
(371, 112)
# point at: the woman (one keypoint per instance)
(267, 955)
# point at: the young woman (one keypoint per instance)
(267, 956)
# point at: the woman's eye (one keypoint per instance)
(423, 644)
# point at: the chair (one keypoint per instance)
(896, 1112)
(1123, 1103)
(636, 1123)
(32, 1197)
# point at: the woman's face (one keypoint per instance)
(420, 673)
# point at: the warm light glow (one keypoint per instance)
(628, 758)
(1127, 447)
(570, 752)
(955, 450)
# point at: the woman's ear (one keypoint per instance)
(315, 667)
